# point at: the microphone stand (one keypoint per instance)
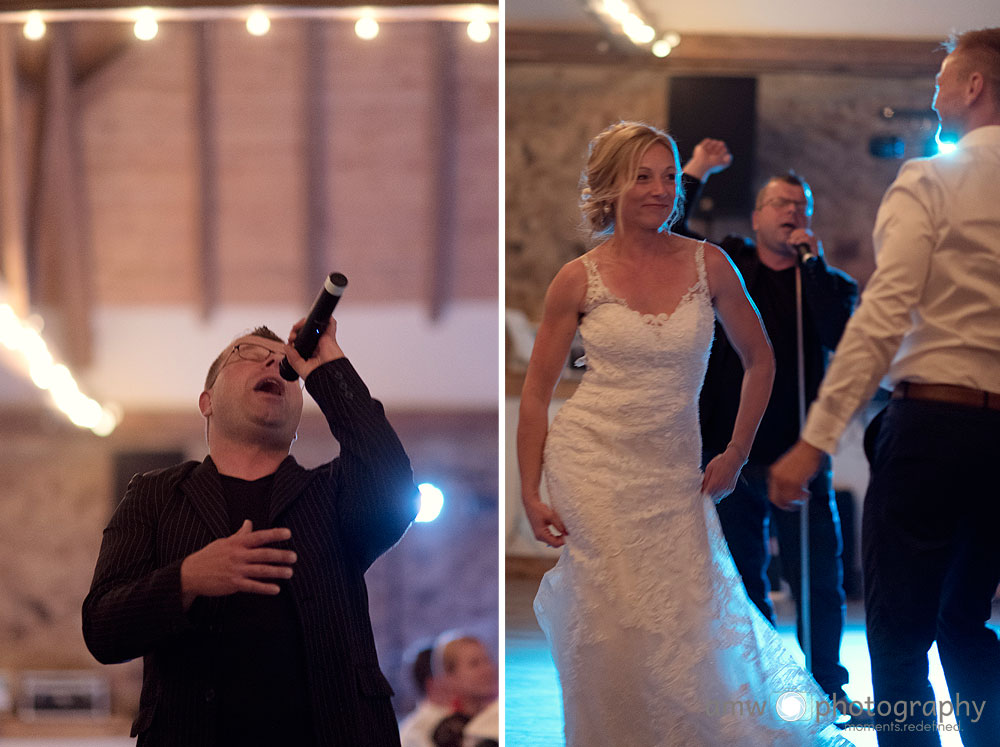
(805, 603)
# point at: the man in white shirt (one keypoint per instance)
(929, 323)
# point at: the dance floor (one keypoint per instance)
(533, 710)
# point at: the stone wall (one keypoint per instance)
(819, 124)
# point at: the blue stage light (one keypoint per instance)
(945, 146)
(431, 502)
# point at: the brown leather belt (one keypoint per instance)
(950, 393)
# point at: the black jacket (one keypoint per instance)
(342, 516)
(828, 296)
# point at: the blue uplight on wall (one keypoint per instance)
(431, 502)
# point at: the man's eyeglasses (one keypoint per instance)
(250, 351)
(780, 203)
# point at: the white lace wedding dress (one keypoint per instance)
(653, 635)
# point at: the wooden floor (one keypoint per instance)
(533, 708)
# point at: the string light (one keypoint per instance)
(620, 15)
(366, 28)
(258, 23)
(34, 27)
(479, 31)
(145, 20)
(24, 338)
(661, 48)
(146, 27)
(617, 9)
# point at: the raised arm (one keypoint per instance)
(372, 477)
(709, 157)
(563, 305)
(744, 329)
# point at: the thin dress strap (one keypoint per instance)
(596, 291)
(699, 261)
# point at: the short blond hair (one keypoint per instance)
(980, 52)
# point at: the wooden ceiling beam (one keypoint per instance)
(717, 53)
(13, 257)
(61, 221)
(444, 156)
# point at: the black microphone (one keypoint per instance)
(804, 250)
(316, 322)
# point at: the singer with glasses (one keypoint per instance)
(240, 579)
(783, 239)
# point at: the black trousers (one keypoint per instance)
(745, 516)
(931, 550)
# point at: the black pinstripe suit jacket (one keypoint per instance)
(342, 516)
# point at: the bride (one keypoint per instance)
(654, 638)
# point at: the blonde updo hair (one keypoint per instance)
(612, 168)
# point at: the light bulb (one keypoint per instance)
(145, 27)
(366, 28)
(258, 23)
(478, 31)
(34, 28)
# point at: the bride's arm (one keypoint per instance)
(744, 329)
(563, 302)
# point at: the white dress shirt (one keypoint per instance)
(931, 310)
(417, 729)
(484, 725)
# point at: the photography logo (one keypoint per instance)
(791, 706)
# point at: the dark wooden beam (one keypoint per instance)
(444, 156)
(13, 259)
(95, 44)
(62, 229)
(207, 160)
(710, 53)
(316, 170)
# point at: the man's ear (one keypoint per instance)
(205, 403)
(974, 87)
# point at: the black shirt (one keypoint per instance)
(773, 291)
(262, 683)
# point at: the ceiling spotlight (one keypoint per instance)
(366, 28)
(258, 23)
(478, 31)
(34, 28)
(672, 38)
(145, 27)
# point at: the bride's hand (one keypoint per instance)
(721, 474)
(543, 519)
